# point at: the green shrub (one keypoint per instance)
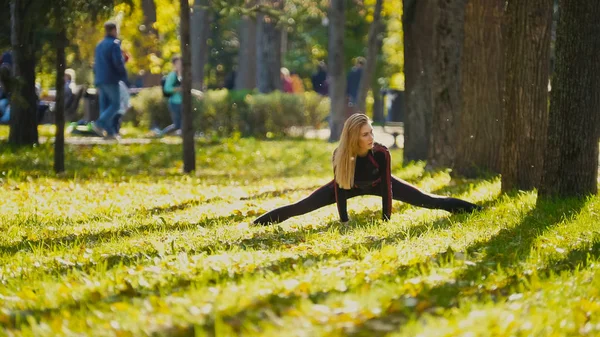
(224, 113)
(148, 109)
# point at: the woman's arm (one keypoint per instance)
(340, 195)
(382, 155)
(340, 199)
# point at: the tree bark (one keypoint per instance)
(447, 51)
(23, 115)
(269, 51)
(571, 157)
(189, 154)
(480, 136)
(246, 72)
(378, 115)
(149, 10)
(337, 79)
(527, 57)
(200, 32)
(59, 108)
(374, 43)
(150, 45)
(418, 54)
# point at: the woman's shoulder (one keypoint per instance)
(378, 147)
(381, 152)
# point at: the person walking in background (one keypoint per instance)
(109, 69)
(353, 80)
(124, 97)
(172, 90)
(319, 80)
(297, 84)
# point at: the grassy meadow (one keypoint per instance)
(123, 244)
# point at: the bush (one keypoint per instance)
(149, 109)
(224, 113)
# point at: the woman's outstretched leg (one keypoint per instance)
(323, 196)
(403, 191)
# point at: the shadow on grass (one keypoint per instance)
(182, 282)
(269, 241)
(507, 249)
(74, 240)
(121, 162)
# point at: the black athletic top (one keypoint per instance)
(372, 175)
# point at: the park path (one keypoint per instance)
(380, 136)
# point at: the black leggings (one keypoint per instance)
(401, 190)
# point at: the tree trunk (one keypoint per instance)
(23, 115)
(527, 43)
(246, 72)
(571, 157)
(269, 51)
(378, 116)
(200, 32)
(447, 51)
(59, 108)
(149, 10)
(150, 44)
(418, 44)
(374, 43)
(337, 80)
(480, 136)
(189, 154)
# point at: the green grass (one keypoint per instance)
(124, 245)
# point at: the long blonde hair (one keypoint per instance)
(344, 157)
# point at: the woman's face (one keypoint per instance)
(366, 138)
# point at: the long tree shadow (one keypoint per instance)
(75, 240)
(279, 265)
(183, 281)
(507, 249)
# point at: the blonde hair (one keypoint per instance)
(345, 155)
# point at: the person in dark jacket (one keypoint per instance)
(354, 80)
(319, 80)
(109, 69)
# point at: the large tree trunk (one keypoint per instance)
(269, 50)
(527, 57)
(200, 33)
(149, 10)
(418, 44)
(23, 115)
(447, 51)
(151, 42)
(480, 136)
(189, 154)
(571, 157)
(246, 73)
(59, 108)
(373, 47)
(337, 84)
(247, 60)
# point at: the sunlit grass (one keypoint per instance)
(123, 244)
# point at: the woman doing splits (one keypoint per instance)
(362, 167)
